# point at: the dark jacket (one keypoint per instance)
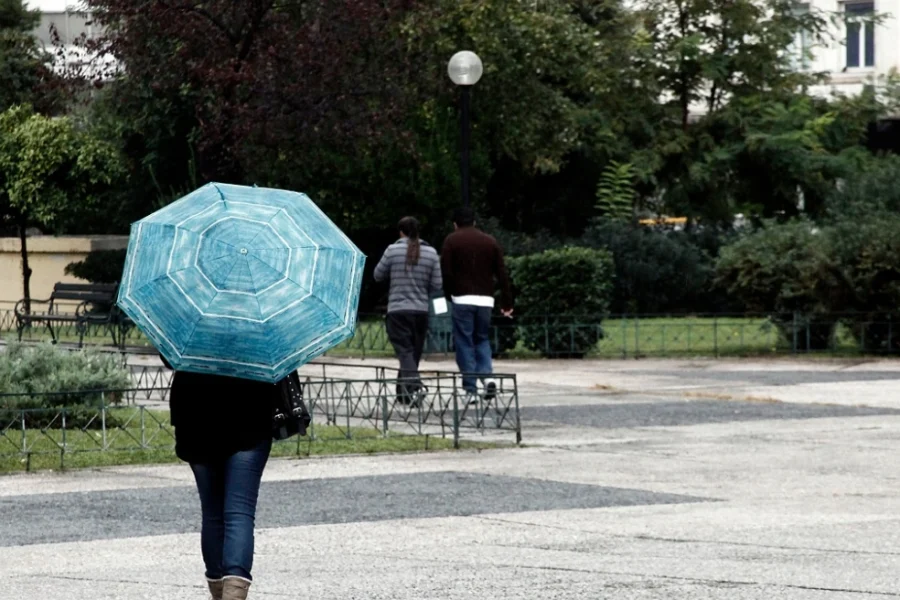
(215, 416)
(471, 262)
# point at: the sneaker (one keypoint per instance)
(471, 398)
(490, 389)
(418, 396)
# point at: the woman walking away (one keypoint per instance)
(223, 429)
(414, 271)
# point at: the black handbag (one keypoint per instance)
(290, 416)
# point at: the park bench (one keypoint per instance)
(81, 305)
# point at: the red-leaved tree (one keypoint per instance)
(261, 74)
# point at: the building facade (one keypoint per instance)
(864, 47)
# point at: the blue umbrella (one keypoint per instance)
(240, 281)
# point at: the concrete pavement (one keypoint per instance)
(694, 480)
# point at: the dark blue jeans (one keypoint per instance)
(228, 492)
(472, 339)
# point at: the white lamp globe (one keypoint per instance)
(465, 68)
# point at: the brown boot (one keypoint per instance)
(235, 588)
(215, 588)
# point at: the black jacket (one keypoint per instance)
(216, 416)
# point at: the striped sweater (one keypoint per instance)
(411, 286)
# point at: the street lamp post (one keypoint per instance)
(465, 69)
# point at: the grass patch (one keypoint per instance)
(137, 441)
(704, 336)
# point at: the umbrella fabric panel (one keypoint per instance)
(201, 293)
(263, 275)
(212, 350)
(288, 230)
(280, 298)
(173, 317)
(336, 292)
(142, 268)
(298, 269)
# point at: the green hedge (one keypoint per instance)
(558, 293)
(784, 270)
(44, 370)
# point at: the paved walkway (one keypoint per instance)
(662, 480)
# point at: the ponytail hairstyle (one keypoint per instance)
(409, 227)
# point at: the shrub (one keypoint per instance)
(46, 369)
(867, 253)
(783, 270)
(99, 266)
(656, 271)
(872, 188)
(562, 297)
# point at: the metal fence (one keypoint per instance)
(352, 395)
(636, 336)
(616, 336)
(346, 402)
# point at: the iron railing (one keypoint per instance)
(348, 395)
(616, 336)
(345, 402)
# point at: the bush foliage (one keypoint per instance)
(99, 266)
(46, 369)
(783, 270)
(563, 294)
(656, 271)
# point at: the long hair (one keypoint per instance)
(409, 227)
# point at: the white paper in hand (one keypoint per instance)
(440, 306)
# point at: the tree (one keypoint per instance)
(219, 81)
(734, 106)
(558, 100)
(25, 75)
(51, 174)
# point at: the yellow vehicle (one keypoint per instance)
(676, 222)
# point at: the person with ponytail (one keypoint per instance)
(413, 269)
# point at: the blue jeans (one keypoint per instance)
(228, 492)
(472, 339)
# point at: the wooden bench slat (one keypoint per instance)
(86, 286)
(86, 297)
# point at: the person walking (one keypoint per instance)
(223, 430)
(414, 271)
(472, 264)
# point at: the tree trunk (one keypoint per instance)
(26, 270)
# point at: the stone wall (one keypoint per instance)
(48, 257)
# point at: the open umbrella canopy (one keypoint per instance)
(240, 281)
